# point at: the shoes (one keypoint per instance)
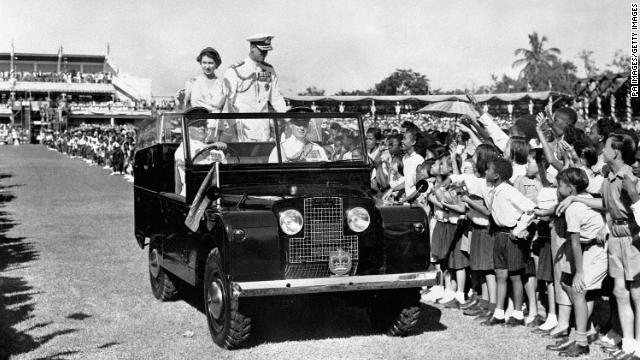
(560, 345)
(537, 321)
(433, 295)
(445, 298)
(574, 350)
(453, 304)
(538, 331)
(486, 314)
(557, 335)
(621, 355)
(513, 322)
(492, 322)
(474, 311)
(610, 350)
(607, 347)
(470, 304)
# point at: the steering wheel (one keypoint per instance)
(229, 152)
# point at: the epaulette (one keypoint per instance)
(237, 64)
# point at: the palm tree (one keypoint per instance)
(536, 59)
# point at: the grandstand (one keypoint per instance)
(59, 90)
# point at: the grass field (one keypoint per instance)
(74, 285)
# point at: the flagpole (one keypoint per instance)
(13, 53)
(59, 57)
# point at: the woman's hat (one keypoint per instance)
(210, 52)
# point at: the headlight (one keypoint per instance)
(291, 221)
(358, 219)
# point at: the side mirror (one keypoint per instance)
(213, 193)
(422, 186)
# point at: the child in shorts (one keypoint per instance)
(510, 211)
(624, 258)
(585, 258)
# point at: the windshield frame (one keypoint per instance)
(187, 119)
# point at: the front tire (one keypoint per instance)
(228, 327)
(162, 286)
(395, 313)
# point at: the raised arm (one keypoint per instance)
(546, 147)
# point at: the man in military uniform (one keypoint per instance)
(298, 147)
(253, 85)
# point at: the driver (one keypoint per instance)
(298, 147)
(197, 137)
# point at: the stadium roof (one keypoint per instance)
(58, 87)
(54, 57)
(505, 97)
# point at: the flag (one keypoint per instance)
(201, 201)
(13, 53)
(59, 57)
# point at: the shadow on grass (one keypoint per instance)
(58, 356)
(78, 316)
(311, 317)
(16, 295)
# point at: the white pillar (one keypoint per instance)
(612, 100)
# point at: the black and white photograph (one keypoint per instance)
(353, 179)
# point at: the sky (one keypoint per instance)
(330, 44)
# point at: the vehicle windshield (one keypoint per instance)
(302, 138)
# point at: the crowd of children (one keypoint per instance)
(534, 232)
(111, 147)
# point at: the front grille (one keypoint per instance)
(313, 270)
(323, 232)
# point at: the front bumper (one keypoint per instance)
(338, 284)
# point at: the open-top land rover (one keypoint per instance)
(281, 217)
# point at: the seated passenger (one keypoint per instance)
(297, 147)
(197, 136)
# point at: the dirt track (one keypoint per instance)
(74, 285)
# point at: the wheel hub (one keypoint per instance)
(154, 264)
(214, 299)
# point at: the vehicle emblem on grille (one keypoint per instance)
(339, 262)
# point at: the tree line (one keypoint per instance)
(541, 68)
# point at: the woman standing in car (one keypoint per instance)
(205, 90)
(209, 91)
